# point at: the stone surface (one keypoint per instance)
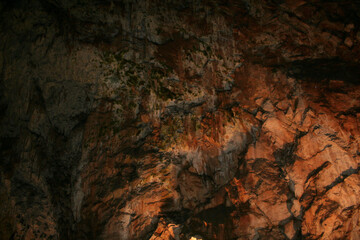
(179, 120)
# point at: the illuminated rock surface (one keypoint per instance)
(179, 120)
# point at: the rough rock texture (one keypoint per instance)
(179, 119)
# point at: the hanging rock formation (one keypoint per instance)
(179, 119)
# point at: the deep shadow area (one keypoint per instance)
(212, 223)
(217, 215)
(316, 70)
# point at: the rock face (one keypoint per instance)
(179, 119)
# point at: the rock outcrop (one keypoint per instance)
(179, 119)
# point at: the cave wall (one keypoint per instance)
(179, 119)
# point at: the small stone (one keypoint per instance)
(289, 114)
(283, 105)
(290, 230)
(192, 169)
(296, 208)
(348, 42)
(268, 106)
(259, 115)
(349, 27)
(259, 101)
